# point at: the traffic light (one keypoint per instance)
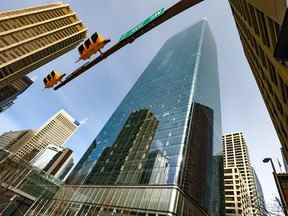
(92, 45)
(52, 79)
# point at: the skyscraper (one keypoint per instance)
(258, 23)
(54, 160)
(285, 162)
(57, 130)
(152, 173)
(236, 156)
(260, 201)
(21, 184)
(129, 152)
(34, 36)
(12, 141)
(237, 197)
(9, 93)
(172, 126)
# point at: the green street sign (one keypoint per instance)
(142, 24)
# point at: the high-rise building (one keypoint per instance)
(285, 162)
(152, 174)
(12, 141)
(258, 23)
(54, 160)
(158, 148)
(56, 131)
(237, 197)
(21, 184)
(129, 152)
(260, 201)
(10, 92)
(236, 156)
(32, 37)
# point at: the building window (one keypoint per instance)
(263, 28)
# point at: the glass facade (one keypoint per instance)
(167, 130)
(21, 184)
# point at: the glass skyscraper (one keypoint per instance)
(159, 151)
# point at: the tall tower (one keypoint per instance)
(12, 141)
(57, 130)
(237, 197)
(180, 90)
(236, 156)
(31, 37)
(258, 23)
(54, 160)
(260, 196)
(129, 152)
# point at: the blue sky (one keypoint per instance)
(95, 95)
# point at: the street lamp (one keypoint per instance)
(267, 160)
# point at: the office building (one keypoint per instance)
(236, 156)
(258, 23)
(285, 162)
(21, 184)
(172, 126)
(153, 174)
(283, 182)
(237, 197)
(54, 160)
(129, 152)
(12, 141)
(56, 131)
(260, 201)
(63, 165)
(32, 37)
(9, 93)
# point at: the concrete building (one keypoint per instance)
(9, 93)
(57, 130)
(258, 23)
(237, 198)
(54, 160)
(12, 141)
(31, 37)
(236, 156)
(285, 162)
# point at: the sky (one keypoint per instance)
(94, 96)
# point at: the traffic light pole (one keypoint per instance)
(168, 14)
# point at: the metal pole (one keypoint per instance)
(279, 189)
(273, 167)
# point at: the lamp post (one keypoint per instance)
(267, 160)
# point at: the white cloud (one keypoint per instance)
(83, 121)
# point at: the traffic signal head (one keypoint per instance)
(87, 43)
(94, 37)
(49, 77)
(81, 49)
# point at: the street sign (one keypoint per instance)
(142, 24)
